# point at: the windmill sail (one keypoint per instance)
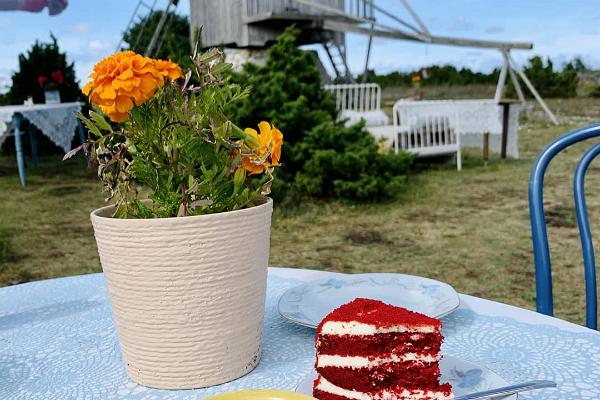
(55, 7)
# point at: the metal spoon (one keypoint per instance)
(507, 390)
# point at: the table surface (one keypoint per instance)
(57, 341)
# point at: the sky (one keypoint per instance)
(560, 29)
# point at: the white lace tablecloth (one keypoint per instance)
(56, 121)
(58, 342)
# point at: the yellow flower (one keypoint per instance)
(267, 152)
(125, 79)
(168, 69)
(416, 78)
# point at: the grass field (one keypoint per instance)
(470, 229)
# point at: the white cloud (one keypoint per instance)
(81, 27)
(461, 24)
(494, 29)
(5, 23)
(100, 45)
(5, 79)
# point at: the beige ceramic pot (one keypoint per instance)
(187, 293)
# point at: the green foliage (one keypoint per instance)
(345, 162)
(548, 82)
(434, 75)
(173, 44)
(42, 60)
(321, 157)
(4, 99)
(551, 83)
(594, 91)
(286, 91)
(179, 146)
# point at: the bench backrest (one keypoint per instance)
(360, 97)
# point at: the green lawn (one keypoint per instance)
(470, 229)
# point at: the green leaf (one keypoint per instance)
(100, 121)
(89, 125)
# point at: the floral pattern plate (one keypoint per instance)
(465, 378)
(309, 303)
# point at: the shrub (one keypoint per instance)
(594, 91)
(322, 158)
(346, 162)
(551, 83)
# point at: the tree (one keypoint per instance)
(286, 91)
(38, 69)
(173, 44)
(550, 83)
(321, 157)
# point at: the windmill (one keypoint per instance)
(254, 24)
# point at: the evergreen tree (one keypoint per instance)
(286, 91)
(44, 66)
(321, 157)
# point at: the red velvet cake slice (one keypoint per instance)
(369, 350)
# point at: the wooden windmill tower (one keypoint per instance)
(255, 24)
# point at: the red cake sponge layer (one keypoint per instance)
(382, 343)
(389, 393)
(411, 375)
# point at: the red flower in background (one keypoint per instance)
(58, 77)
(42, 80)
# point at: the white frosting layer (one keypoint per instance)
(360, 329)
(326, 386)
(325, 360)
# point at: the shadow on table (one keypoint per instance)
(47, 313)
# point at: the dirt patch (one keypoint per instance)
(7, 252)
(366, 236)
(22, 276)
(63, 190)
(560, 216)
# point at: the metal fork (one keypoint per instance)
(507, 390)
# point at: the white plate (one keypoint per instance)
(465, 378)
(309, 303)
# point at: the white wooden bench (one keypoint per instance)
(424, 133)
(472, 118)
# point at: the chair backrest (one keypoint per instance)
(421, 129)
(539, 235)
(360, 97)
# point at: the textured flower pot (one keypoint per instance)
(187, 293)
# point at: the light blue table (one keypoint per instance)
(57, 342)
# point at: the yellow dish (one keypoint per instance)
(262, 394)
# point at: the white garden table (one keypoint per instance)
(56, 121)
(57, 341)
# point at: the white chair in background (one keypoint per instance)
(362, 101)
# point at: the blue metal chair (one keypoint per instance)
(543, 276)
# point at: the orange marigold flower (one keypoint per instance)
(168, 69)
(123, 80)
(268, 151)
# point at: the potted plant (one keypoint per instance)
(51, 86)
(185, 246)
